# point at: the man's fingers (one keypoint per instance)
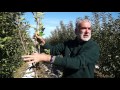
(27, 56)
(37, 36)
(28, 59)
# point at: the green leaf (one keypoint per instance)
(1, 46)
(47, 51)
(41, 34)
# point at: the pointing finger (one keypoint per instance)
(27, 56)
(28, 59)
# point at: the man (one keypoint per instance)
(79, 55)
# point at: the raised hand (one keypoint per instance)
(36, 57)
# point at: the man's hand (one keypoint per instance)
(36, 57)
(39, 38)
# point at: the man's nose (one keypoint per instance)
(86, 31)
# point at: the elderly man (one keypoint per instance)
(79, 55)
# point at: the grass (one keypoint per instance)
(20, 71)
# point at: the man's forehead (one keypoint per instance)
(88, 24)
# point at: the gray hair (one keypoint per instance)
(79, 21)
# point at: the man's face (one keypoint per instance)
(84, 33)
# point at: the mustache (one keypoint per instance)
(85, 35)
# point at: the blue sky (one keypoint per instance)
(52, 19)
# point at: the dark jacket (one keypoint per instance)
(79, 58)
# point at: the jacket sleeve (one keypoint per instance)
(90, 55)
(55, 50)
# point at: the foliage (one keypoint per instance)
(108, 37)
(11, 26)
(38, 16)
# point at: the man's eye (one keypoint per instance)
(83, 28)
(89, 28)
